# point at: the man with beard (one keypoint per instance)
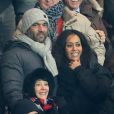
(30, 49)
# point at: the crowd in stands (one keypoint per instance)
(57, 57)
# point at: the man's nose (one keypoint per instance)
(40, 27)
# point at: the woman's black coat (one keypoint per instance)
(85, 90)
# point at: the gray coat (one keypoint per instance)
(17, 61)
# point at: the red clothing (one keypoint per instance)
(59, 26)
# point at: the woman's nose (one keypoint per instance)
(42, 87)
(74, 47)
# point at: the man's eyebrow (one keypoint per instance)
(39, 23)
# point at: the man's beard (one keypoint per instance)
(38, 37)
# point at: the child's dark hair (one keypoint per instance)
(38, 74)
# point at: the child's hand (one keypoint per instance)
(34, 112)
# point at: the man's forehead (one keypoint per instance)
(41, 21)
(76, 0)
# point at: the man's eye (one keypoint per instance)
(45, 24)
(38, 24)
(35, 24)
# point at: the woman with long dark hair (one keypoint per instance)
(82, 81)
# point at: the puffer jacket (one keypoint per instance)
(4, 4)
(18, 60)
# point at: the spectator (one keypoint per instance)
(38, 87)
(30, 49)
(83, 82)
(53, 9)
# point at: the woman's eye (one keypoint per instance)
(68, 45)
(46, 84)
(38, 84)
(77, 45)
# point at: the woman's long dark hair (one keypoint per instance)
(88, 57)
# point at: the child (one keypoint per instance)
(38, 87)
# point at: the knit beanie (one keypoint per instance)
(31, 16)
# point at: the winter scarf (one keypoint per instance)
(44, 105)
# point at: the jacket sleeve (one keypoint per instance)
(96, 44)
(95, 83)
(26, 106)
(12, 78)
